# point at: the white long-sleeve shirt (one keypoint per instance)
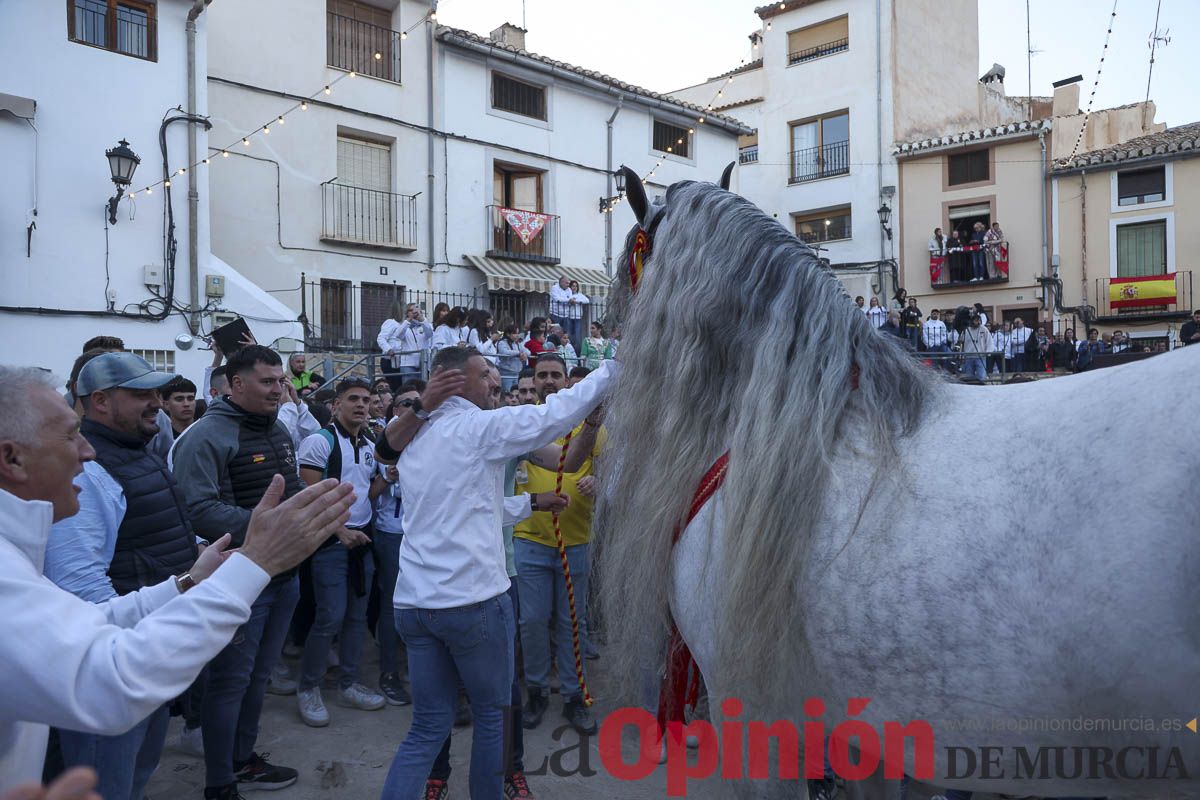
(97, 668)
(560, 301)
(452, 482)
(408, 339)
(445, 336)
(934, 333)
(575, 310)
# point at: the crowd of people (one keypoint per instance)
(170, 482)
(992, 347)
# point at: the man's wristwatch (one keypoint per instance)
(533, 503)
(419, 410)
(184, 582)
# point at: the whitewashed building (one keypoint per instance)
(75, 78)
(399, 183)
(830, 86)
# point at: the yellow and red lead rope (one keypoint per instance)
(566, 568)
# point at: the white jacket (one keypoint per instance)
(97, 668)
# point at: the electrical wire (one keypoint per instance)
(1092, 99)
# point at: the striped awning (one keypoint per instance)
(526, 276)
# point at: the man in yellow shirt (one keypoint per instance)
(539, 569)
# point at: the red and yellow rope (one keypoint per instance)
(566, 568)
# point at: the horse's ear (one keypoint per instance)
(725, 176)
(635, 192)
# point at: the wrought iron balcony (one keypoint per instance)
(956, 265)
(1155, 304)
(827, 49)
(363, 48)
(353, 215)
(504, 231)
(813, 163)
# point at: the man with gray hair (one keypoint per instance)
(101, 668)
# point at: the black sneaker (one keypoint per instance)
(821, 789)
(534, 709)
(393, 688)
(258, 774)
(229, 792)
(580, 717)
(462, 714)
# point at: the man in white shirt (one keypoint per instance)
(1018, 346)
(560, 301)
(451, 594)
(103, 667)
(402, 343)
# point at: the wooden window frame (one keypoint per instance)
(509, 77)
(836, 211)
(149, 7)
(947, 186)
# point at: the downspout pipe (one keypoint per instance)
(429, 155)
(608, 189)
(198, 7)
(879, 113)
(1045, 250)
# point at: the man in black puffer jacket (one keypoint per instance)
(224, 462)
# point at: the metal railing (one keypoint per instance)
(955, 266)
(1133, 307)
(340, 316)
(748, 155)
(825, 161)
(368, 216)
(504, 242)
(363, 48)
(827, 49)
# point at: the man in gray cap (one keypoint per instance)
(132, 531)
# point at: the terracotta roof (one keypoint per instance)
(1180, 139)
(739, 103)
(448, 34)
(755, 64)
(773, 9)
(1027, 127)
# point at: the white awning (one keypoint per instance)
(22, 107)
(978, 210)
(526, 276)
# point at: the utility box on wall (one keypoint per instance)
(214, 286)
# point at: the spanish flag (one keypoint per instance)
(1145, 290)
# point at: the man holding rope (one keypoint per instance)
(451, 598)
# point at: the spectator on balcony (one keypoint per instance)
(449, 333)
(976, 345)
(876, 314)
(402, 342)
(536, 343)
(993, 239)
(937, 249)
(560, 301)
(1018, 346)
(955, 257)
(574, 323)
(1088, 351)
(910, 321)
(511, 356)
(1119, 343)
(482, 334)
(978, 254)
(1189, 332)
(596, 348)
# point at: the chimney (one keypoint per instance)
(756, 45)
(510, 35)
(1066, 96)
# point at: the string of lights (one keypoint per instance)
(1092, 99)
(276, 121)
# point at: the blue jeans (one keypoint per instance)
(979, 265)
(237, 682)
(574, 328)
(392, 657)
(341, 612)
(123, 763)
(514, 733)
(476, 643)
(544, 598)
(973, 368)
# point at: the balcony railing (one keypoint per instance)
(958, 266)
(353, 215)
(363, 48)
(748, 155)
(813, 163)
(1148, 303)
(504, 240)
(827, 49)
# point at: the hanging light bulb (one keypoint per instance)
(378, 56)
(782, 6)
(205, 161)
(148, 190)
(701, 120)
(266, 130)
(691, 130)
(245, 141)
(279, 119)
(304, 105)
(224, 154)
(328, 90)
(182, 171)
(433, 16)
(167, 183)
(353, 74)
(403, 35)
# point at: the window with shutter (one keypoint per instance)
(970, 167)
(1141, 186)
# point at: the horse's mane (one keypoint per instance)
(736, 340)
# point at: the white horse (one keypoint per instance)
(866, 550)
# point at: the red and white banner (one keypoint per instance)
(1000, 258)
(935, 268)
(526, 224)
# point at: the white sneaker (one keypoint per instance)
(358, 696)
(190, 742)
(312, 707)
(281, 680)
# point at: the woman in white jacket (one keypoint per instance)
(103, 667)
(481, 334)
(449, 333)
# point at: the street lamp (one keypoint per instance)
(885, 214)
(122, 162)
(607, 203)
